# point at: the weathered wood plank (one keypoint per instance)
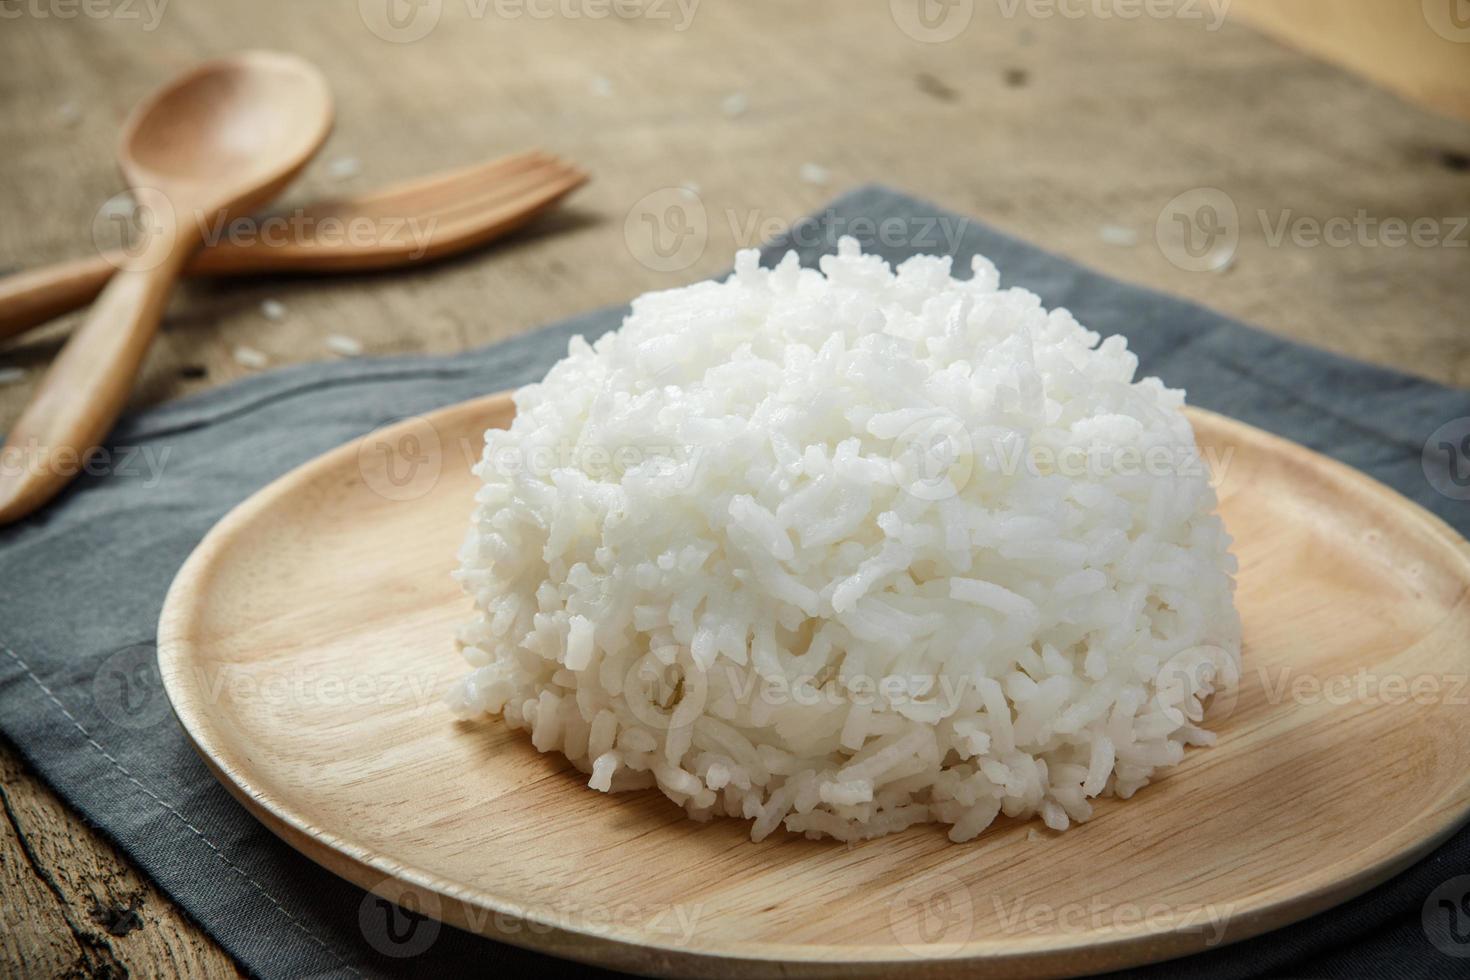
(73, 906)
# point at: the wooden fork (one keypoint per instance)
(402, 224)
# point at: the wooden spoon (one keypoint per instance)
(224, 138)
(412, 222)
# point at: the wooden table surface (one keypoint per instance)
(1078, 133)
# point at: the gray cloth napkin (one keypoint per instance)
(81, 586)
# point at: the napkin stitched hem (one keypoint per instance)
(168, 807)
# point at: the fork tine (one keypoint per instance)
(498, 192)
(531, 197)
(510, 193)
(405, 195)
(460, 228)
(466, 185)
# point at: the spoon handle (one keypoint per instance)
(37, 295)
(87, 387)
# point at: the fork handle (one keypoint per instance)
(81, 396)
(30, 298)
(36, 296)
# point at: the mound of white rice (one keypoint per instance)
(851, 550)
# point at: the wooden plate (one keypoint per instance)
(305, 643)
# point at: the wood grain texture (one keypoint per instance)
(1419, 49)
(73, 907)
(1048, 128)
(305, 643)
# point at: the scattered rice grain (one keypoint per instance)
(815, 173)
(735, 105)
(342, 344)
(249, 357)
(344, 168)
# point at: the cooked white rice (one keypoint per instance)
(851, 550)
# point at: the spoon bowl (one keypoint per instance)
(235, 130)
